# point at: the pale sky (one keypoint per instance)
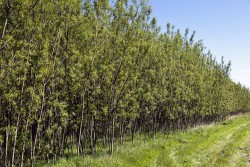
(224, 26)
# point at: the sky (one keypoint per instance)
(223, 25)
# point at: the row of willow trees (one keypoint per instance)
(76, 74)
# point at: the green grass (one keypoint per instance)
(225, 144)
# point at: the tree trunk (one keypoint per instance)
(17, 125)
(81, 126)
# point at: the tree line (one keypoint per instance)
(77, 75)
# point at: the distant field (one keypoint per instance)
(225, 144)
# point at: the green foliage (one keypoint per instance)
(74, 76)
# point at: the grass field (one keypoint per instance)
(223, 145)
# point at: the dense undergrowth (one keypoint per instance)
(219, 145)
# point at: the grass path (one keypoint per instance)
(242, 157)
(225, 144)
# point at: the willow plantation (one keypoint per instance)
(79, 75)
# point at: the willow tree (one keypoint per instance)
(77, 75)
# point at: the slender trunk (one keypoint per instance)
(132, 132)
(1, 143)
(104, 136)
(31, 150)
(6, 147)
(17, 125)
(81, 125)
(4, 27)
(92, 135)
(7, 134)
(53, 149)
(24, 145)
(121, 132)
(38, 126)
(1, 155)
(113, 134)
(61, 151)
(154, 128)
(111, 121)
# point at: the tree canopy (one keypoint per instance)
(77, 74)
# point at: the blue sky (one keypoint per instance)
(224, 26)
